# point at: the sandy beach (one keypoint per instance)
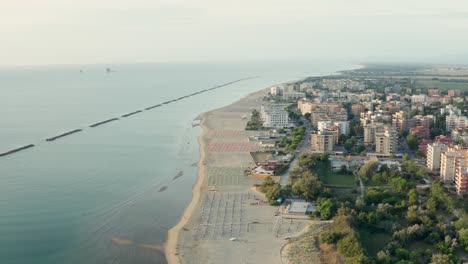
(223, 207)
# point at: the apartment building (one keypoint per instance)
(323, 141)
(386, 142)
(433, 155)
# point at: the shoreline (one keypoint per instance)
(171, 245)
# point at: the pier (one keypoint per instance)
(16, 150)
(154, 106)
(64, 134)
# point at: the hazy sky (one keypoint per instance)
(105, 31)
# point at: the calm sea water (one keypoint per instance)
(93, 197)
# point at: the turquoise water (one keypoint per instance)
(64, 201)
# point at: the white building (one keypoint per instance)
(433, 154)
(293, 95)
(275, 116)
(419, 98)
(344, 126)
(448, 164)
(305, 106)
(455, 121)
(387, 141)
(450, 110)
(276, 90)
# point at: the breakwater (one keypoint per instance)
(127, 115)
(64, 134)
(103, 122)
(154, 106)
(132, 113)
(16, 150)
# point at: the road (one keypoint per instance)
(303, 146)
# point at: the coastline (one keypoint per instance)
(172, 243)
(224, 222)
(170, 248)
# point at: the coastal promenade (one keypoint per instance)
(224, 223)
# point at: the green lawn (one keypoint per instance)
(441, 85)
(373, 240)
(346, 193)
(330, 177)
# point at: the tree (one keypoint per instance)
(412, 214)
(343, 169)
(326, 207)
(329, 237)
(431, 204)
(351, 249)
(383, 257)
(413, 197)
(463, 238)
(440, 259)
(399, 184)
(406, 157)
(308, 187)
(368, 169)
(274, 192)
(412, 141)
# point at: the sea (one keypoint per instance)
(109, 194)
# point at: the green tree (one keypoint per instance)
(308, 187)
(413, 197)
(326, 207)
(440, 259)
(412, 141)
(463, 238)
(412, 214)
(399, 184)
(368, 169)
(431, 204)
(273, 192)
(351, 249)
(329, 237)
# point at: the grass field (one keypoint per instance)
(345, 193)
(330, 177)
(373, 240)
(441, 85)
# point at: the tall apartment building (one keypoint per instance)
(343, 126)
(305, 106)
(275, 116)
(338, 114)
(370, 131)
(454, 93)
(433, 154)
(450, 110)
(323, 141)
(386, 142)
(420, 98)
(293, 95)
(319, 114)
(449, 160)
(461, 180)
(276, 90)
(399, 121)
(455, 121)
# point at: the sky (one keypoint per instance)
(36, 32)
